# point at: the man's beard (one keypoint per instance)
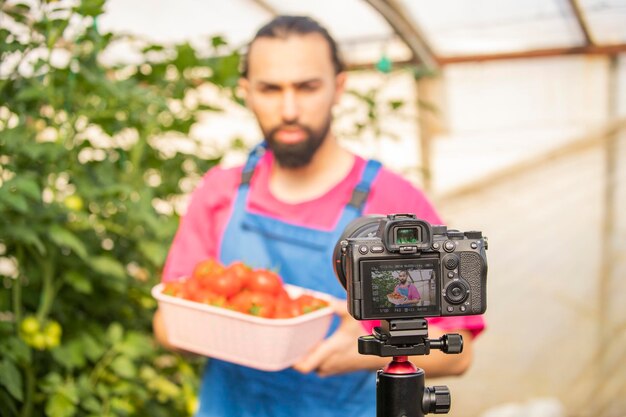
(296, 155)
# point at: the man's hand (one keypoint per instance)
(339, 353)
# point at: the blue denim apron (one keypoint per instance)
(303, 257)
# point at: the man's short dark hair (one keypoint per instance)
(284, 26)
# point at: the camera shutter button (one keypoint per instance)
(449, 246)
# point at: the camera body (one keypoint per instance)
(399, 267)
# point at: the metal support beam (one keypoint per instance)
(537, 53)
(430, 101)
(407, 30)
(607, 50)
(608, 361)
(266, 6)
(582, 22)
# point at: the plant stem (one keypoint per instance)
(99, 367)
(16, 291)
(27, 410)
(48, 292)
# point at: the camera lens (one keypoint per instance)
(456, 292)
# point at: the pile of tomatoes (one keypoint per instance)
(258, 292)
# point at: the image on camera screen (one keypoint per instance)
(402, 288)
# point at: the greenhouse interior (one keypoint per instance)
(509, 116)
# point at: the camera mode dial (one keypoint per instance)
(455, 234)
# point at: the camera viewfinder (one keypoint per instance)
(407, 235)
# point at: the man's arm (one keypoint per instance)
(160, 334)
(339, 353)
(158, 327)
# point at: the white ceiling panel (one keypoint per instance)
(460, 27)
(607, 20)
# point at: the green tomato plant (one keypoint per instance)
(94, 158)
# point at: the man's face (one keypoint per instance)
(402, 275)
(291, 88)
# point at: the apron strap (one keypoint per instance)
(362, 189)
(253, 158)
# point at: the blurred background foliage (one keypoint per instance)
(94, 158)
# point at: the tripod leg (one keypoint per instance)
(399, 395)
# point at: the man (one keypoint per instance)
(407, 290)
(285, 210)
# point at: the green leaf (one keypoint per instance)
(58, 405)
(92, 404)
(154, 251)
(8, 404)
(18, 12)
(115, 333)
(65, 238)
(90, 7)
(217, 41)
(15, 349)
(79, 282)
(136, 345)
(51, 383)
(107, 266)
(70, 355)
(11, 379)
(26, 186)
(15, 201)
(31, 93)
(209, 107)
(186, 56)
(58, 26)
(396, 104)
(92, 348)
(26, 235)
(124, 367)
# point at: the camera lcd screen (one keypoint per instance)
(399, 288)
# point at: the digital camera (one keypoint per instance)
(399, 266)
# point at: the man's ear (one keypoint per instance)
(243, 87)
(340, 86)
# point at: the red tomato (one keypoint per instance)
(285, 307)
(242, 302)
(174, 288)
(265, 281)
(227, 283)
(206, 269)
(210, 298)
(255, 303)
(308, 303)
(263, 304)
(241, 270)
(192, 289)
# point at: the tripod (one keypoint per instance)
(400, 388)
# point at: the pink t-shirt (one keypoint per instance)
(409, 291)
(201, 228)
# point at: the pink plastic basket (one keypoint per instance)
(266, 344)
